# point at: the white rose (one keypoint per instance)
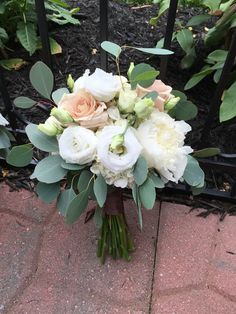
(163, 138)
(77, 145)
(118, 162)
(3, 121)
(102, 85)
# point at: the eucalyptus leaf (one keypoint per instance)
(193, 174)
(135, 193)
(143, 74)
(158, 183)
(4, 140)
(153, 95)
(155, 51)
(72, 167)
(147, 194)
(24, 102)
(41, 78)
(206, 152)
(77, 207)
(185, 110)
(112, 48)
(97, 218)
(84, 180)
(140, 171)
(40, 140)
(49, 170)
(20, 156)
(64, 199)
(48, 192)
(58, 94)
(100, 190)
(198, 19)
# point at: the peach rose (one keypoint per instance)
(164, 93)
(85, 109)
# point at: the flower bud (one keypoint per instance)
(170, 104)
(131, 67)
(117, 144)
(143, 108)
(127, 100)
(70, 82)
(62, 115)
(51, 127)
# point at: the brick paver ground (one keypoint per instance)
(183, 264)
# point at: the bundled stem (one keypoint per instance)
(115, 238)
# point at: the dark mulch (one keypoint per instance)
(131, 26)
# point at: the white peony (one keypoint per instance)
(77, 145)
(119, 179)
(102, 85)
(3, 121)
(118, 162)
(163, 138)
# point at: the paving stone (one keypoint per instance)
(184, 247)
(25, 203)
(70, 278)
(193, 302)
(223, 269)
(18, 240)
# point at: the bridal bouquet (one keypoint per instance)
(106, 133)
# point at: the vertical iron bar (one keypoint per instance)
(43, 32)
(104, 31)
(168, 36)
(216, 100)
(7, 102)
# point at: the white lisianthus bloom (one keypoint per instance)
(101, 85)
(77, 145)
(113, 161)
(3, 121)
(163, 141)
(119, 179)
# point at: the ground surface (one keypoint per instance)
(183, 264)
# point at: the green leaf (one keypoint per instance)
(196, 190)
(155, 51)
(49, 170)
(218, 55)
(20, 156)
(26, 33)
(185, 39)
(185, 110)
(41, 78)
(212, 4)
(188, 59)
(41, 140)
(193, 174)
(147, 194)
(158, 183)
(8, 133)
(217, 75)
(198, 19)
(152, 95)
(228, 105)
(64, 200)
(179, 94)
(112, 48)
(100, 190)
(72, 167)
(77, 207)
(135, 193)
(140, 171)
(97, 218)
(24, 102)
(143, 74)
(4, 140)
(84, 180)
(196, 78)
(57, 94)
(206, 152)
(12, 64)
(48, 192)
(2, 8)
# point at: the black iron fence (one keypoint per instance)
(208, 164)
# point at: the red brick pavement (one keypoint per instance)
(49, 267)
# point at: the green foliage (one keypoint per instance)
(185, 40)
(41, 140)
(100, 190)
(41, 78)
(57, 94)
(228, 106)
(18, 20)
(64, 200)
(147, 193)
(77, 207)
(48, 192)
(140, 171)
(5, 141)
(193, 174)
(20, 156)
(206, 152)
(24, 102)
(49, 170)
(143, 74)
